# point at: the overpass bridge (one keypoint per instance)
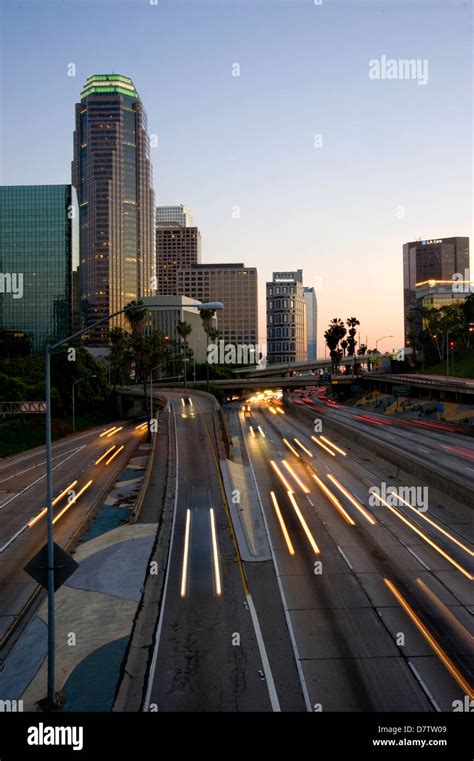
(307, 365)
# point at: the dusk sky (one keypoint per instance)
(395, 160)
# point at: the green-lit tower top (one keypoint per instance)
(104, 84)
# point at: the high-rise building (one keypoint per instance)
(311, 322)
(424, 260)
(177, 247)
(166, 321)
(233, 284)
(112, 173)
(286, 318)
(39, 260)
(180, 215)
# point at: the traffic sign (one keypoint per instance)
(401, 390)
(64, 566)
(325, 378)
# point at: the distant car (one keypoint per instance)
(248, 410)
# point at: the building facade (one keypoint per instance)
(39, 261)
(177, 247)
(233, 284)
(166, 322)
(437, 259)
(311, 322)
(180, 215)
(112, 173)
(287, 340)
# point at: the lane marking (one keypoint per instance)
(264, 657)
(345, 558)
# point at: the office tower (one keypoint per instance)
(166, 321)
(233, 284)
(424, 260)
(112, 173)
(39, 260)
(177, 247)
(311, 322)
(286, 318)
(180, 215)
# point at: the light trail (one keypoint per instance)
(444, 657)
(320, 443)
(331, 444)
(72, 502)
(184, 573)
(332, 498)
(102, 457)
(352, 499)
(112, 457)
(215, 554)
(298, 480)
(281, 476)
(281, 521)
(303, 523)
(310, 454)
(287, 443)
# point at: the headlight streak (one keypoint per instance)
(330, 443)
(184, 573)
(281, 521)
(215, 554)
(281, 476)
(352, 499)
(105, 454)
(112, 457)
(445, 659)
(436, 526)
(320, 443)
(54, 502)
(72, 502)
(310, 454)
(296, 478)
(303, 523)
(287, 443)
(262, 433)
(457, 625)
(427, 539)
(332, 498)
(115, 430)
(252, 431)
(109, 430)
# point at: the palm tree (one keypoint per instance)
(135, 316)
(206, 317)
(352, 323)
(344, 345)
(183, 330)
(335, 333)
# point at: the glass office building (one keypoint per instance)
(39, 260)
(112, 173)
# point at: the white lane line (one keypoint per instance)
(4, 504)
(38, 465)
(420, 449)
(424, 688)
(12, 538)
(299, 667)
(263, 655)
(418, 558)
(309, 501)
(345, 558)
(151, 676)
(57, 445)
(389, 436)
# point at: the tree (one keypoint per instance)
(344, 345)
(335, 333)
(184, 329)
(206, 317)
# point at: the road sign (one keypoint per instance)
(401, 390)
(325, 378)
(64, 566)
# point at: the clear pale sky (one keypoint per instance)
(248, 141)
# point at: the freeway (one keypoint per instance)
(436, 444)
(378, 597)
(210, 653)
(84, 465)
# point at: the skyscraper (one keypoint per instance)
(112, 173)
(424, 260)
(39, 259)
(177, 247)
(233, 284)
(286, 318)
(180, 215)
(311, 322)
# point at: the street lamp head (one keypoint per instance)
(212, 305)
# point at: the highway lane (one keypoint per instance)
(452, 453)
(81, 475)
(337, 614)
(207, 655)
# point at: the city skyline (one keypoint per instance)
(317, 189)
